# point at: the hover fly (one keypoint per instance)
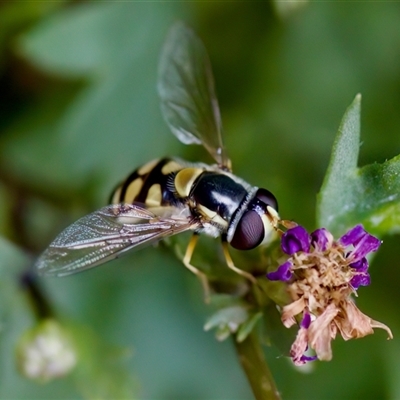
(169, 196)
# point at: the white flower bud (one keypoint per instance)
(46, 352)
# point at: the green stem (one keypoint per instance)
(253, 362)
(39, 301)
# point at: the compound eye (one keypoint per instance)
(267, 198)
(249, 231)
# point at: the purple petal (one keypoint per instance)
(294, 240)
(283, 273)
(353, 236)
(306, 321)
(360, 265)
(366, 245)
(321, 239)
(306, 359)
(360, 280)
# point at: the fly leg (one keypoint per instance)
(201, 275)
(231, 265)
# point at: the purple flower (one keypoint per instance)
(295, 239)
(322, 275)
(360, 280)
(305, 359)
(353, 236)
(306, 321)
(321, 239)
(360, 265)
(283, 273)
(362, 242)
(367, 244)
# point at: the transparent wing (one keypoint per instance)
(103, 235)
(187, 92)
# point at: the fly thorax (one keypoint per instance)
(184, 180)
(217, 196)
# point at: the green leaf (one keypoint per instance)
(232, 317)
(247, 327)
(336, 192)
(15, 16)
(15, 318)
(115, 48)
(12, 260)
(352, 195)
(102, 371)
(378, 185)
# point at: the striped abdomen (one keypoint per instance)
(152, 184)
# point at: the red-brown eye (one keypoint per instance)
(249, 231)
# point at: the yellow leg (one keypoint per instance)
(201, 275)
(232, 266)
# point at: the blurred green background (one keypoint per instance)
(79, 111)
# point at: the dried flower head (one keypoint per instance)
(322, 275)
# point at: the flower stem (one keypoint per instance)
(253, 362)
(39, 301)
